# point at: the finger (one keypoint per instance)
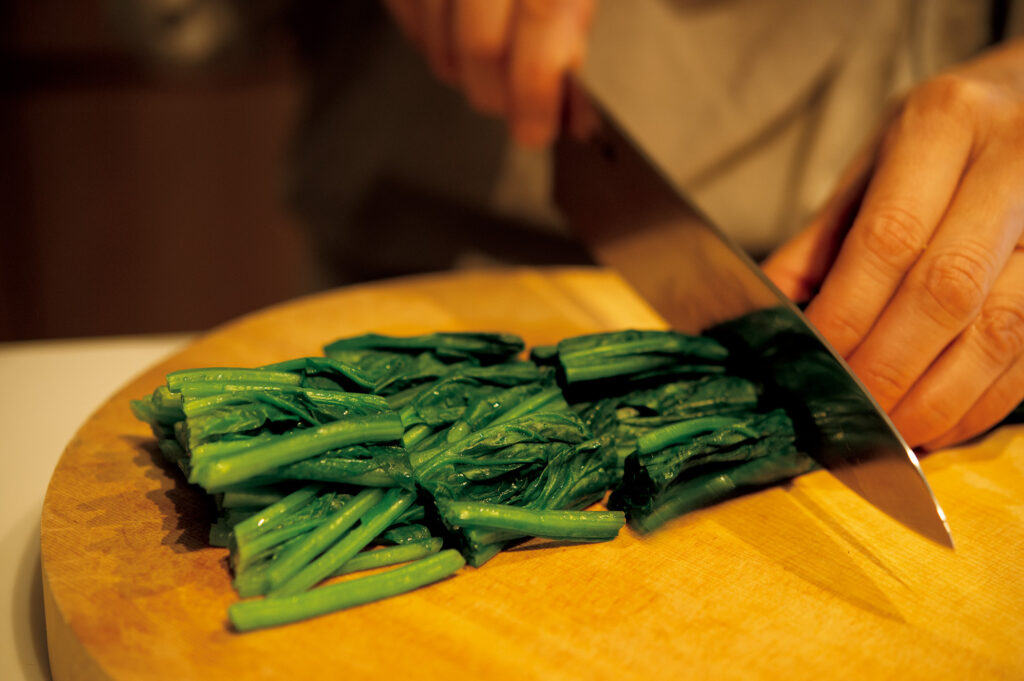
(583, 13)
(945, 290)
(436, 22)
(407, 15)
(547, 41)
(995, 405)
(975, 361)
(481, 34)
(800, 265)
(917, 173)
(582, 119)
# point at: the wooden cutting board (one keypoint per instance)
(799, 582)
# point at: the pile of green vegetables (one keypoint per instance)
(435, 451)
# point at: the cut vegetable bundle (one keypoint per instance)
(440, 450)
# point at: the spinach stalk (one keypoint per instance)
(553, 524)
(268, 612)
(295, 446)
(372, 523)
(302, 554)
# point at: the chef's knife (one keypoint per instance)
(636, 222)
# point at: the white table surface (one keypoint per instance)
(49, 388)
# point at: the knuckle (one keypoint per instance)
(934, 416)
(952, 94)
(1000, 326)
(842, 329)
(886, 382)
(956, 282)
(894, 236)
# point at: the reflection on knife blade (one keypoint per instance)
(635, 222)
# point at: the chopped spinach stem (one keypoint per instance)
(212, 451)
(257, 497)
(226, 375)
(303, 553)
(195, 405)
(198, 390)
(296, 446)
(372, 523)
(691, 497)
(554, 524)
(391, 555)
(615, 366)
(529, 405)
(682, 431)
(596, 346)
(484, 554)
(458, 431)
(268, 612)
(249, 550)
(415, 435)
(262, 521)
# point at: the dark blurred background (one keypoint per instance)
(135, 199)
(171, 164)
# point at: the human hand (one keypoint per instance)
(925, 298)
(509, 57)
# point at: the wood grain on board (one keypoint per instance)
(800, 581)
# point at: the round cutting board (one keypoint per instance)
(800, 581)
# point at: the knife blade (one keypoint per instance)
(636, 222)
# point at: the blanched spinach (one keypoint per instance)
(408, 444)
